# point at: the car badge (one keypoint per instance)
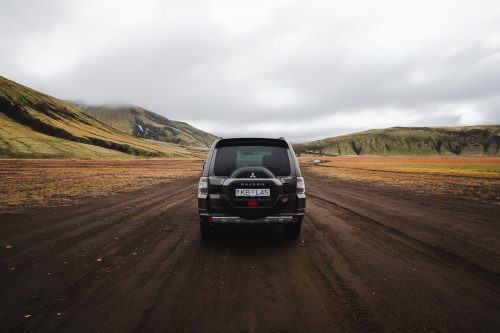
(252, 175)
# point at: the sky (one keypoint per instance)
(303, 70)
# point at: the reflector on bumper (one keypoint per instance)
(269, 219)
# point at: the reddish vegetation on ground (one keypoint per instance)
(477, 178)
(28, 183)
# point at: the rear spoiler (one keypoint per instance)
(252, 142)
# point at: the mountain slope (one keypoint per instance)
(471, 140)
(35, 125)
(142, 123)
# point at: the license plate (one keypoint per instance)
(253, 192)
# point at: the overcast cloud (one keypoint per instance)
(300, 69)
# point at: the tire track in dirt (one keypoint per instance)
(140, 282)
(326, 263)
(400, 276)
(418, 245)
(444, 221)
(94, 241)
(88, 232)
(103, 212)
(351, 271)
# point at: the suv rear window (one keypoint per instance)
(230, 158)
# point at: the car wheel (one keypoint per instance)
(292, 231)
(206, 231)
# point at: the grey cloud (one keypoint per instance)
(293, 70)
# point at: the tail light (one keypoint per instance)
(301, 186)
(203, 186)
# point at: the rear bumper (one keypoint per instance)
(272, 219)
(217, 205)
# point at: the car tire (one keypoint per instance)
(292, 231)
(206, 231)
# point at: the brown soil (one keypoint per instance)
(369, 259)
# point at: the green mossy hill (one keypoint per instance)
(35, 125)
(470, 140)
(142, 123)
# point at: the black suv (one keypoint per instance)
(251, 181)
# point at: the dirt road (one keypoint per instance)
(369, 259)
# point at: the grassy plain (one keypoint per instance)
(29, 183)
(476, 178)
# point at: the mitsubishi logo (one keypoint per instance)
(252, 175)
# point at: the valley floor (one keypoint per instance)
(28, 183)
(370, 258)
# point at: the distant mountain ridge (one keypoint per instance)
(146, 124)
(467, 140)
(36, 125)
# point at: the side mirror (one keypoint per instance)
(203, 167)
